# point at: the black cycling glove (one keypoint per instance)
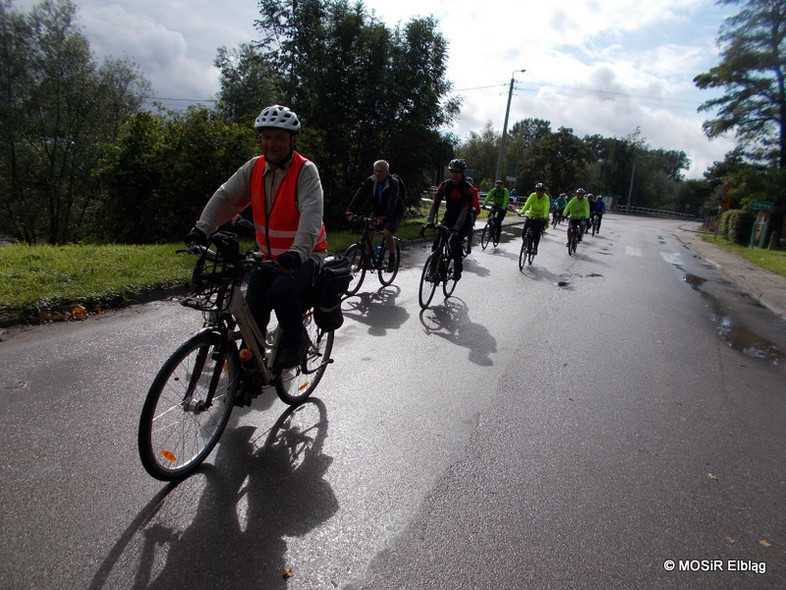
(196, 236)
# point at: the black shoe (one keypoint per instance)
(391, 264)
(292, 350)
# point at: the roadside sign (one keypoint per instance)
(762, 205)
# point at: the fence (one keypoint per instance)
(635, 210)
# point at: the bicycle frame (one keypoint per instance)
(253, 337)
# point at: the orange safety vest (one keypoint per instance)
(276, 231)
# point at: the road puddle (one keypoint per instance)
(732, 333)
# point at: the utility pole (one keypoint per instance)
(630, 186)
(505, 129)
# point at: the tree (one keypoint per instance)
(363, 92)
(480, 151)
(248, 84)
(57, 110)
(752, 72)
(162, 169)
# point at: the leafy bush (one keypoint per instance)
(723, 224)
(740, 226)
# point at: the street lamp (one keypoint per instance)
(505, 128)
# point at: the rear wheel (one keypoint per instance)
(428, 280)
(296, 384)
(389, 269)
(355, 256)
(188, 406)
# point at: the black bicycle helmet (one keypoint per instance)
(540, 187)
(459, 165)
(579, 191)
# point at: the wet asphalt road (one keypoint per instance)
(577, 425)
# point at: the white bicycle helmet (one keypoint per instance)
(278, 117)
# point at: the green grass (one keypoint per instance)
(772, 260)
(39, 278)
(35, 278)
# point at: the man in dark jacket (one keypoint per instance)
(456, 192)
(387, 204)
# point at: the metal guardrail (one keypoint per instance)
(635, 210)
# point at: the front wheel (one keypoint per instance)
(389, 263)
(296, 384)
(429, 279)
(486, 236)
(188, 406)
(356, 267)
(523, 254)
(450, 278)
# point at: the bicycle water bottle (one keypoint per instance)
(378, 254)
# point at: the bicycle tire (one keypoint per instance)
(523, 254)
(450, 280)
(176, 430)
(386, 277)
(496, 231)
(485, 237)
(357, 267)
(428, 280)
(294, 385)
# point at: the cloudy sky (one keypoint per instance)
(598, 67)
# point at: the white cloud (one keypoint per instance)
(598, 67)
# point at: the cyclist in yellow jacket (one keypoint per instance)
(536, 210)
(499, 197)
(579, 211)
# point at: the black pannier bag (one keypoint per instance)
(332, 283)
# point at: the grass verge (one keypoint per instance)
(39, 279)
(772, 260)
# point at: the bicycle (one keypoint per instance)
(361, 259)
(595, 224)
(191, 398)
(439, 268)
(491, 231)
(573, 236)
(527, 253)
(556, 218)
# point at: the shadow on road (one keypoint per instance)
(224, 527)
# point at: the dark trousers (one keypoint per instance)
(280, 292)
(537, 229)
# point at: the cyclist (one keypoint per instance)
(591, 203)
(500, 197)
(458, 202)
(536, 211)
(384, 192)
(578, 211)
(600, 209)
(287, 201)
(473, 213)
(559, 206)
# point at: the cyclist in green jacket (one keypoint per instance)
(500, 197)
(536, 210)
(579, 211)
(559, 206)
